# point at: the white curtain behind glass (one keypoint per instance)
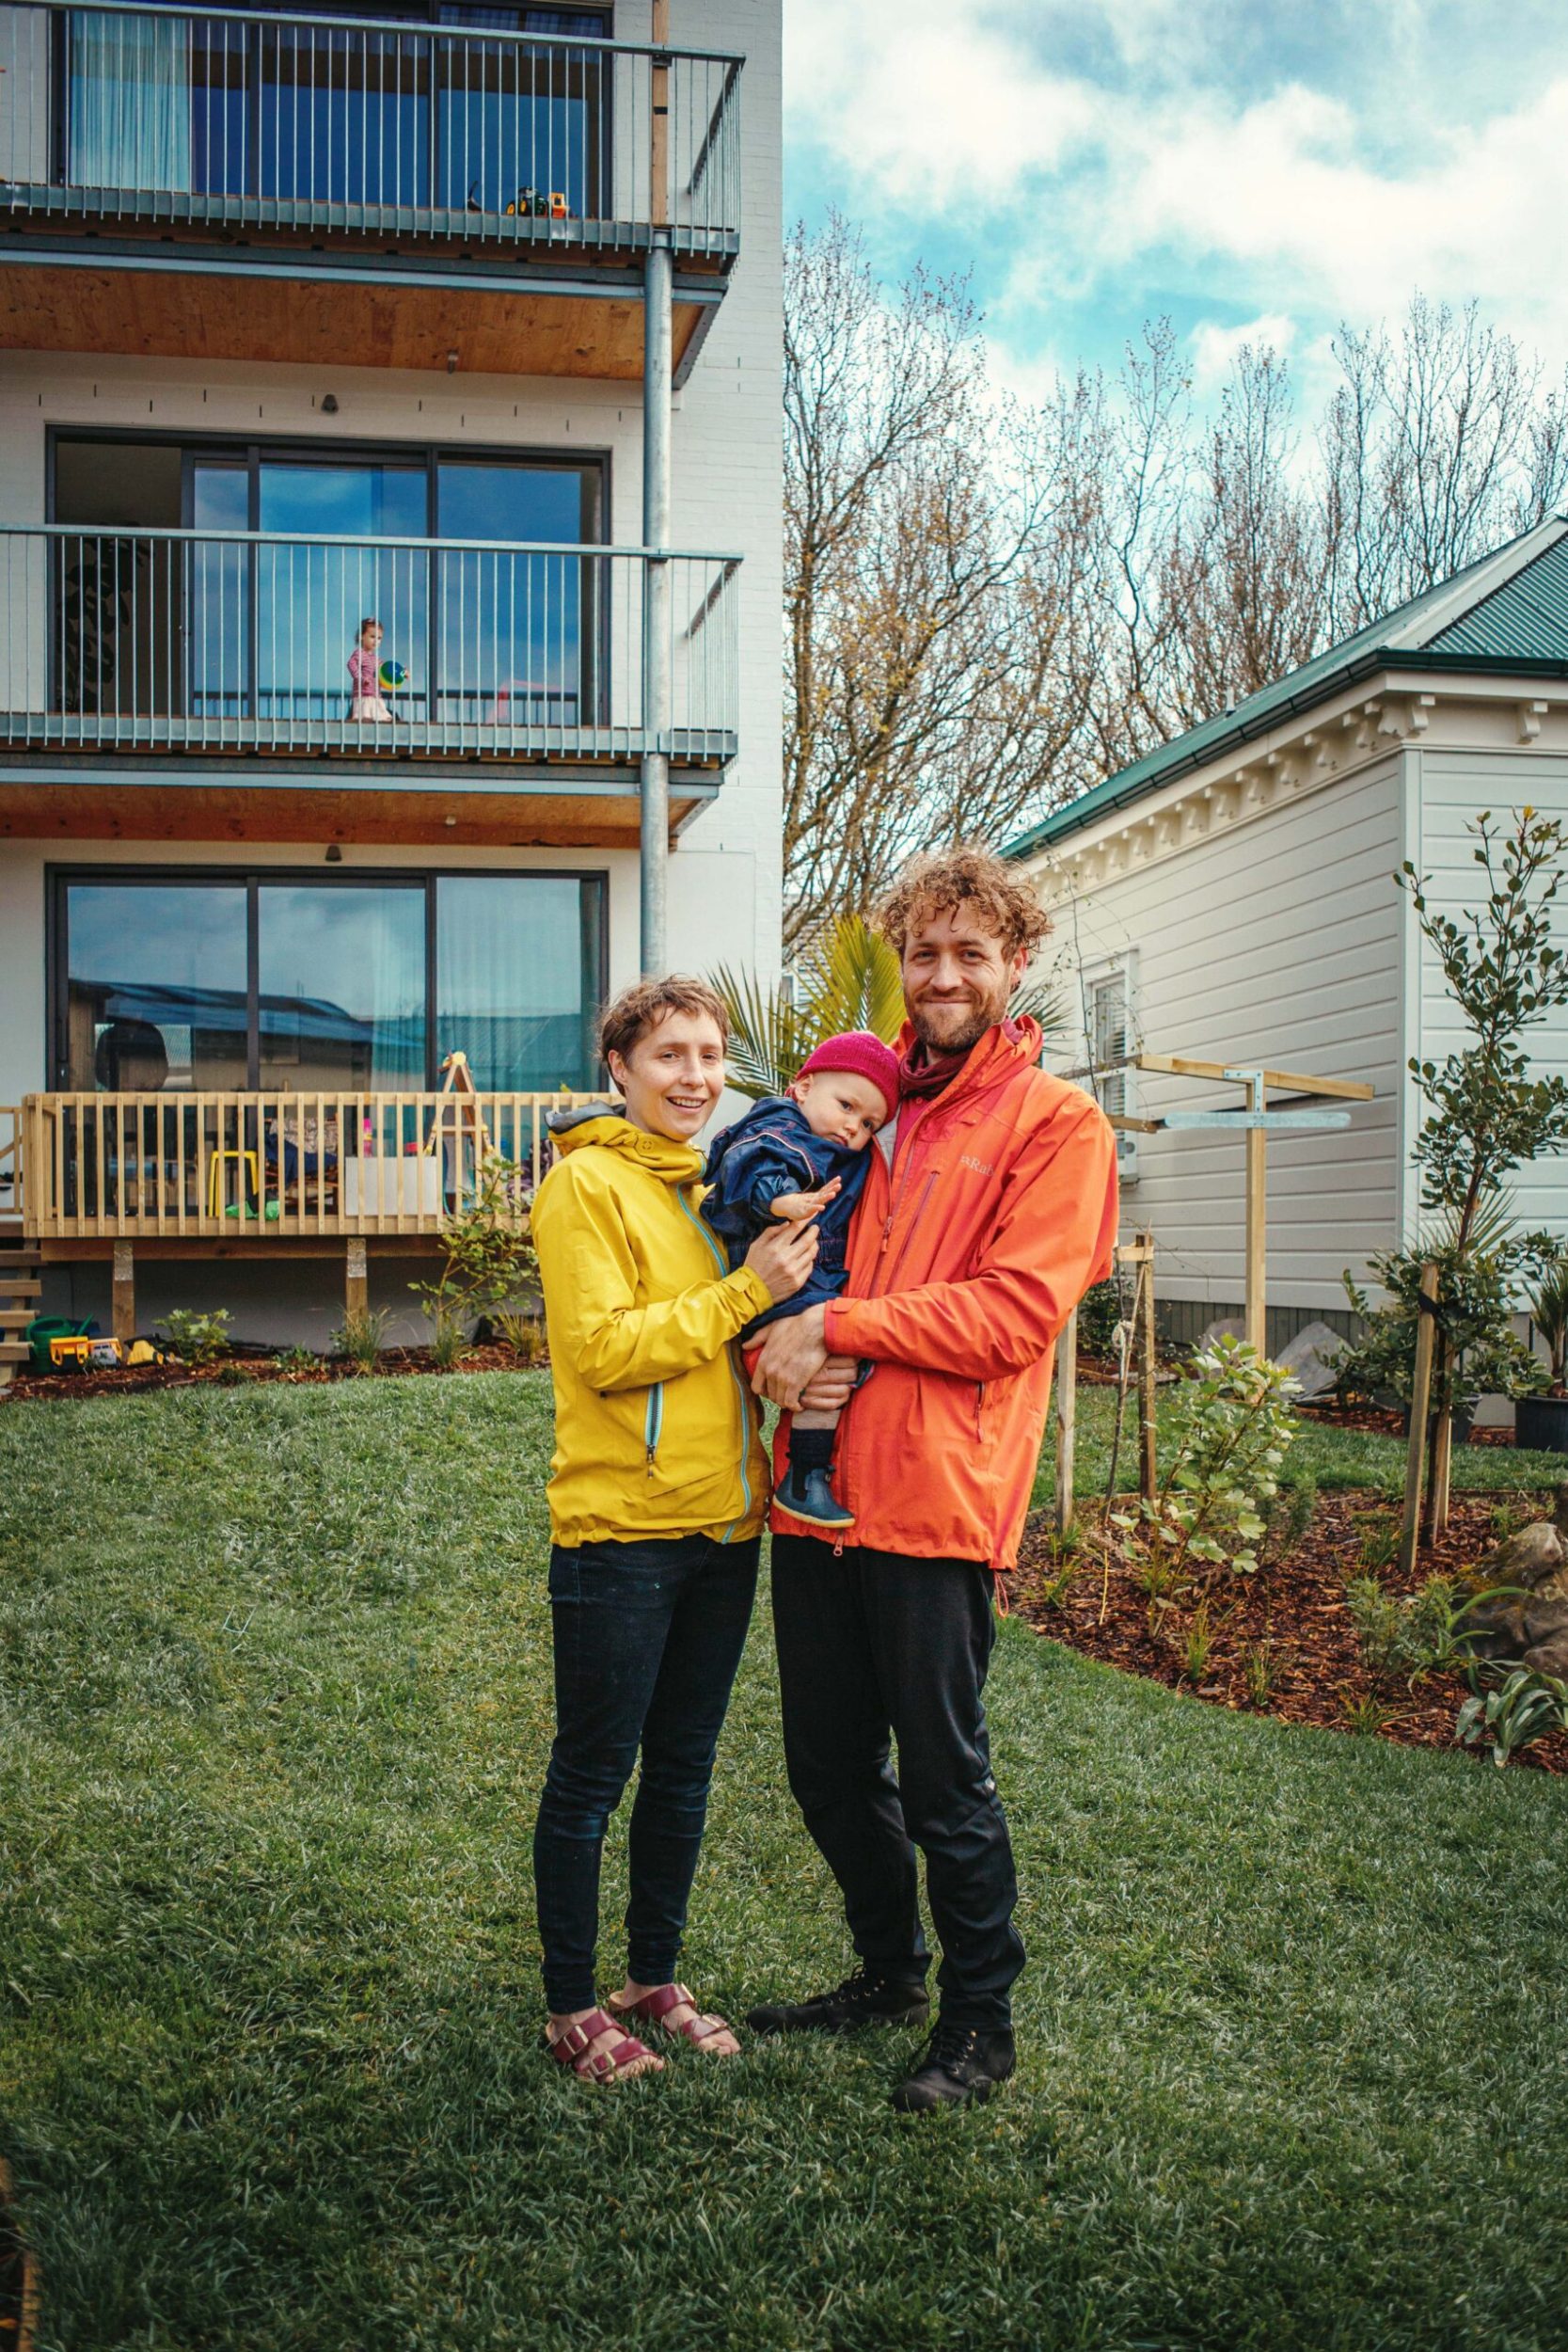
(510, 969)
(130, 102)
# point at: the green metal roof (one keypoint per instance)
(1507, 612)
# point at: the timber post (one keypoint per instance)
(1066, 1422)
(1257, 1220)
(124, 1291)
(1147, 1464)
(1420, 1399)
(357, 1288)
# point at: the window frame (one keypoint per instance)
(60, 877)
(1096, 976)
(254, 450)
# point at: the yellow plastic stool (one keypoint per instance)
(215, 1186)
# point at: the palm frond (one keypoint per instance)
(853, 983)
(850, 981)
(765, 1035)
(1035, 1000)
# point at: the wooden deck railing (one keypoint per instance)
(10, 1163)
(265, 1164)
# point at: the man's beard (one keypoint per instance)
(962, 1039)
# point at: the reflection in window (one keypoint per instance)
(518, 977)
(160, 993)
(155, 986)
(342, 986)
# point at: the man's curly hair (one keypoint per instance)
(940, 881)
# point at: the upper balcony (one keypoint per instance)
(495, 674)
(368, 191)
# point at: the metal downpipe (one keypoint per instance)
(657, 647)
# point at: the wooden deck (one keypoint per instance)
(267, 1168)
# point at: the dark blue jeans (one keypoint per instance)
(647, 1640)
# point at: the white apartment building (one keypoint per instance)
(460, 321)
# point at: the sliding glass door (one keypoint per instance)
(312, 603)
(314, 113)
(226, 631)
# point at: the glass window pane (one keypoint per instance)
(155, 989)
(516, 628)
(311, 601)
(517, 977)
(342, 985)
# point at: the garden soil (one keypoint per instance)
(1296, 1606)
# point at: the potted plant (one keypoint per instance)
(1541, 1422)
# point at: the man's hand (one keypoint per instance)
(793, 1352)
(829, 1390)
(797, 1205)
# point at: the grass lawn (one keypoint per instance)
(274, 1709)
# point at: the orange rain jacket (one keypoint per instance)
(965, 1260)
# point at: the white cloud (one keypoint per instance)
(1297, 204)
(1278, 195)
(1214, 347)
(927, 104)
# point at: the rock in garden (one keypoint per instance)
(1536, 1557)
(1313, 1356)
(1530, 1616)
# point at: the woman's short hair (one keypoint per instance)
(941, 881)
(627, 1019)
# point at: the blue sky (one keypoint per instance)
(1261, 169)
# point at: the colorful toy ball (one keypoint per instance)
(392, 674)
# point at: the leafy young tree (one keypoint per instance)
(1486, 1112)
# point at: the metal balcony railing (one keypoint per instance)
(173, 114)
(186, 640)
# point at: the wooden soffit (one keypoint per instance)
(220, 812)
(176, 316)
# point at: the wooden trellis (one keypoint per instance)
(1257, 1122)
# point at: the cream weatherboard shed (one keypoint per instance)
(1230, 898)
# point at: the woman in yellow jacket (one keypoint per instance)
(658, 1488)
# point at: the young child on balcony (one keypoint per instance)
(797, 1156)
(364, 672)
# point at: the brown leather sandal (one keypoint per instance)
(574, 2048)
(654, 2008)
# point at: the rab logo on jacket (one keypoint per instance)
(981, 1167)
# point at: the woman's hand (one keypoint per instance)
(784, 1257)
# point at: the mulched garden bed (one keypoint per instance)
(18, 2277)
(236, 1372)
(1296, 1606)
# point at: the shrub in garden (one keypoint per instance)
(523, 1333)
(1548, 1307)
(1099, 1310)
(361, 1336)
(1230, 1426)
(1476, 1283)
(196, 1338)
(487, 1258)
(1409, 1638)
(1522, 1708)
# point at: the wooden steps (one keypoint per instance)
(21, 1288)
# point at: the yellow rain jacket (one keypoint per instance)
(657, 1432)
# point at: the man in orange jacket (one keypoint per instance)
(976, 1237)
